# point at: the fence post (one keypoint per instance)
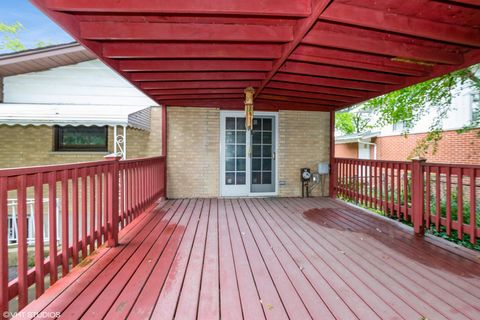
(113, 200)
(418, 195)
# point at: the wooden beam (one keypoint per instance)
(137, 31)
(301, 29)
(288, 8)
(310, 95)
(341, 73)
(198, 84)
(366, 61)
(390, 21)
(195, 65)
(300, 100)
(342, 87)
(238, 95)
(384, 47)
(123, 50)
(199, 92)
(196, 76)
(355, 64)
(315, 89)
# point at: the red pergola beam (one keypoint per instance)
(355, 64)
(198, 84)
(394, 22)
(343, 87)
(301, 29)
(195, 65)
(288, 8)
(122, 50)
(341, 73)
(237, 95)
(300, 100)
(184, 32)
(196, 76)
(398, 49)
(362, 60)
(198, 92)
(311, 95)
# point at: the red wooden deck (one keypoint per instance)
(268, 259)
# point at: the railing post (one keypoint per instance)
(332, 181)
(418, 195)
(113, 200)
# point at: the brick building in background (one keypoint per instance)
(390, 143)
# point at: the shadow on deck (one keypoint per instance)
(272, 258)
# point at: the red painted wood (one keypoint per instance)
(22, 242)
(164, 149)
(196, 76)
(75, 217)
(448, 201)
(4, 297)
(423, 28)
(341, 73)
(184, 32)
(52, 222)
(128, 50)
(65, 223)
(195, 65)
(473, 206)
(332, 184)
(460, 203)
(39, 243)
(197, 84)
(248, 7)
(338, 40)
(84, 219)
(92, 232)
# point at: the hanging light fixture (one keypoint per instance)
(249, 92)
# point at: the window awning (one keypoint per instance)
(75, 115)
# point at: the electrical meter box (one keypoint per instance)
(323, 168)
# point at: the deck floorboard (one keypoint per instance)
(272, 258)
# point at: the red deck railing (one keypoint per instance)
(444, 196)
(95, 200)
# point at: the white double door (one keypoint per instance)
(247, 158)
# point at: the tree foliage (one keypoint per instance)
(351, 122)
(9, 40)
(410, 104)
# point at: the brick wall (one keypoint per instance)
(453, 148)
(22, 146)
(346, 150)
(193, 152)
(303, 142)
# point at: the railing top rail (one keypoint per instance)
(452, 165)
(373, 161)
(12, 172)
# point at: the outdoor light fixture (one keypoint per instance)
(249, 92)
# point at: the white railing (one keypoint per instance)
(13, 221)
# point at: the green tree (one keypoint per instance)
(9, 40)
(352, 121)
(435, 96)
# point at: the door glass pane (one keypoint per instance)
(241, 151)
(240, 123)
(241, 178)
(267, 124)
(266, 177)
(267, 164)
(241, 164)
(256, 151)
(230, 151)
(267, 138)
(257, 137)
(229, 178)
(267, 151)
(257, 124)
(256, 164)
(230, 123)
(256, 177)
(230, 137)
(241, 137)
(230, 165)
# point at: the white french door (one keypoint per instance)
(247, 158)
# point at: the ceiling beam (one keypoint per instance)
(198, 84)
(341, 73)
(288, 8)
(311, 88)
(347, 87)
(142, 31)
(166, 92)
(123, 50)
(196, 76)
(311, 95)
(355, 64)
(238, 95)
(380, 46)
(300, 100)
(393, 22)
(195, 65)
(467, 2)
(301, 29)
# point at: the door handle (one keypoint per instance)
(273, 155)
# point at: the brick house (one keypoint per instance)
(390, 143)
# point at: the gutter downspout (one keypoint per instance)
(370, 144)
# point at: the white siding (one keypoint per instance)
(89, 82)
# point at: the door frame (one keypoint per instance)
(223, 115)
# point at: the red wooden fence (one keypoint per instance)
(443, 196)
(97, 198)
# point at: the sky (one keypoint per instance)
(37, 26)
